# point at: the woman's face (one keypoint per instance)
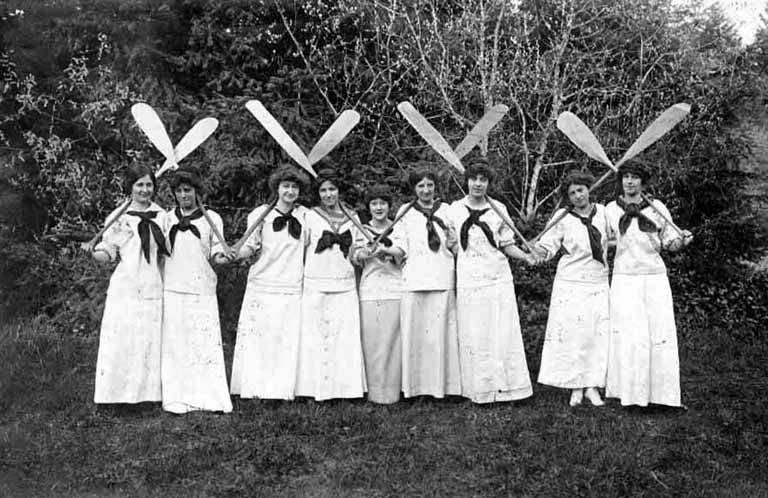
(425, 190)
(379, 209)
(631, 183)
(142, 190)
(288, 191)
(185, 196)
(579, 196)
(329, 194)
(478, 186)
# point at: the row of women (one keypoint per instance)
(434, 312)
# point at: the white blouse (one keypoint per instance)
(423, 269)
(577, 263)
(188, 270)
(481, 263)
(329, 270)
(637, 252)
(280, 266)
(133, 275)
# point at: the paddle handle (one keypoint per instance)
(663, 216)
(510, 224)
(92, 243)
(239, 244)
(214, 228)
(355, 222)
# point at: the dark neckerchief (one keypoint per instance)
(329, 238)
(633, 210)
(184, 224)
(595, 237)
(287, 219)
(384, 240)
(474, 219)
(147, 225)
(433, 239)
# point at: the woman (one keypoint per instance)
(575, 353)
(192, 366)
(330, 352)
(492, 355)
(267, 350)
(128, 362)
(643, 366)
(380, 303)
(428, 304)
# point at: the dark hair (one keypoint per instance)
(188, 175)
(133, 173)
(421, 170)
(288, 173)
(634, 167)
(378, 192)
(478, 167)
(330, 175)
(575, 177)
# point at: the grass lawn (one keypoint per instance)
(55, 442)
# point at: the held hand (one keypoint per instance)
(363, 254)
(680, 242)
(222, 259)
(451, 239)
(687, 237)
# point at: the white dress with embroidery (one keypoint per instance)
(427, 309)
(643, 364)
(380, 289)
(192, 366)
(330, 349)
(575, 352)
(267, 350)
(128, 362)
(492, 354)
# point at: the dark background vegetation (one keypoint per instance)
(69, 72)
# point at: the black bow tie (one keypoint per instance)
(474, 219)
(145, 226)
(633, 210)
(328, 239)
(294, 226)
(381, 238)
(184, 224)
(433, 239)
(594, 234)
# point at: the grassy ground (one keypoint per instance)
(55, 442)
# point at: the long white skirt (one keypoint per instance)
(430, 343)
(193, 372)
(575, 353)
(643, 366)
(492, 355)
(382, 349)
(267, 351)
(330, 350)
(128, 362)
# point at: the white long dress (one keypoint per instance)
(128, 362)
(643, 365)
(428, 308)
(492, 354)
(192, 366)
(330, 349)
(267, 350)
(380, 290)
(575, 353)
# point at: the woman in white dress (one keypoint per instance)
(330, 350)
(380, 303)
(128, 362)
(643, 365)
(575, 353)
(492, 354)
(192, 365)
(423, 240)
(267, 350)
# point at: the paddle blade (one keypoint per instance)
(149, 122)
(660, 126)
(334, 135)
(196, 135)
(481, 129)
(582, 137)
(278, 133)
(429, 134)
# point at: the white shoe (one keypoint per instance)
(594, 397)
(576, 397)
